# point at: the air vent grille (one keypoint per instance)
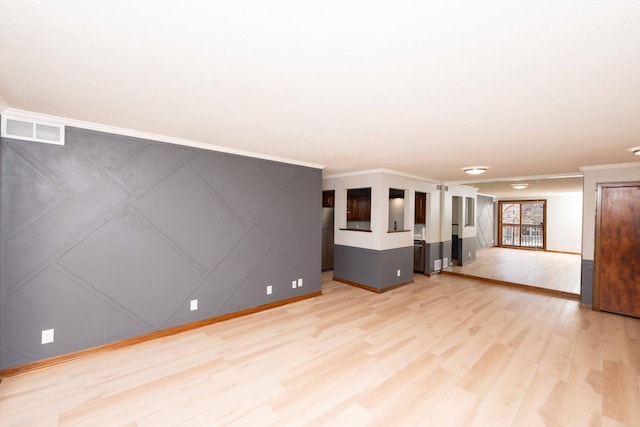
(32, 130)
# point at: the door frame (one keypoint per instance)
(596, 256)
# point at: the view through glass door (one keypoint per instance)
(522, 223)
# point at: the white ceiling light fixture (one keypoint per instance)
(475, 170)
(519, 186)
(636, 151)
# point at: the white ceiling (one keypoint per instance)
(542, 187)
(421, 87)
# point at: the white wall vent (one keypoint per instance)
(29, 129)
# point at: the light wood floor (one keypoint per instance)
(550, 270)
(443, 351)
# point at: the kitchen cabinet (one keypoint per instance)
(421, 208)
(359, 208)
(328, 198)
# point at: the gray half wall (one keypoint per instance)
(586, 282)
(447, 250)
(467, 250)
(432, 253)
(110, 237)
(376, 269)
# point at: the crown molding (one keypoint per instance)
(380, 171)
(613, 166)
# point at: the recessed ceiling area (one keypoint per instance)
(423, 88)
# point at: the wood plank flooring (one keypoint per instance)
(443, 351)
(548, 270)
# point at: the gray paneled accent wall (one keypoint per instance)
(486, 222)
(376, 269)
(110, 237)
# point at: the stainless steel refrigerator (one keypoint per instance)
(327, 239)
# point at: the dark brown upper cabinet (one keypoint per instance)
(359, 204)
(328, 198)
(421, 208)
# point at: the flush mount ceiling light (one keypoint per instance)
(636, 151)
(519, 186)
(475, 170)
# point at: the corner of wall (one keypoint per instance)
(3, 285)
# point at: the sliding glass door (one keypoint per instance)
(522, 224)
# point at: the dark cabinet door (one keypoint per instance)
(358, 209)
(328, 198)
(421, 207)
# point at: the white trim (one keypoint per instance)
(488, 195)
(381, 170)
(519, 178)
(613, 166)
(161, 138)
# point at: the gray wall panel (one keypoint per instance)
(486, 222)
(392, 260)
(357, 265)
(280, 174)
(32, 194)
(45, 301)
(108, 149)
(204, 231)
(586, 282)
(111, 237)
(229, 275)
(5, 353)
(432, 253)
(128, 261)
(240, 182)
(377, 269)
(467, 250)
(93, 195)
(148, 166)
(447, 248)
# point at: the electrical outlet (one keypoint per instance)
(294, 283)
(398, 273)
(269, 290)
(193, 305)
(47, 336)
(300, 282)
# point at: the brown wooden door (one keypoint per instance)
(617, 260)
